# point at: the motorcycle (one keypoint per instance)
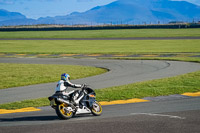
(65, 107)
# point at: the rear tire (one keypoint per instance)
(62, 113)
(96, 109)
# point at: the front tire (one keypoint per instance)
(62, 114)
(96, 109)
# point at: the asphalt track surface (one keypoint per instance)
(171, 114)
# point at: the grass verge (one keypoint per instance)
(26, 103)
(99, 46)
(161, 87)
(12, 75)
(103, 33)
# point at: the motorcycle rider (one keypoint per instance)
(64, 83)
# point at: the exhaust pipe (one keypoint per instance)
(64, 101)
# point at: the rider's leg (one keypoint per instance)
(79, 98)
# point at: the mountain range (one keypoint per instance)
(118, 12)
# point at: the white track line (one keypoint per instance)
(161, 115)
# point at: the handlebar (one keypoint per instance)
(84, 86)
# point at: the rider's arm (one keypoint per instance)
(68, 83)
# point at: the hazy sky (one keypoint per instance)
(43, 8)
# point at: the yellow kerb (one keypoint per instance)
(30, 109)
(135, 100)
(196, 94)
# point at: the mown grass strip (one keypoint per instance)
(127, 47)
(161, 87)
(122, 33)
(13, 75)
(26, 103)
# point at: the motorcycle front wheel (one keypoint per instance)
(96, 109)
(62, 114)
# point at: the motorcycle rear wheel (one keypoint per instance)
(96, 109)
(62, 114)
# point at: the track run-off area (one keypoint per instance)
(175, 113)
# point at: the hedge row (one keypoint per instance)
(102, 27)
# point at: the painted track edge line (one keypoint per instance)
(29, 109)
(195, 94)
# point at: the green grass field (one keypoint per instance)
(103, 33)
(12, 75)
(99, 46)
